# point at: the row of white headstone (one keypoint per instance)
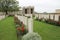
(27, 21)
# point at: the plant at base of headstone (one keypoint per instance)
(28, 16)
(18, 28)
(31, 36)
(23, 30)
(17, 25)
(36, 18)
(33, 15)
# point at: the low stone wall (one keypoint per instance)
(12, 13)
(2, 17)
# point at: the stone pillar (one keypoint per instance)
(49, 16)
(53, 16)
(30, 25)
(23, 11)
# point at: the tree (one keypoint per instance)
(9, 5)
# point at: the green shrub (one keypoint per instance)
(40, 19)
(37, 18)
(33, 15)
(29, 17)
(31, 36)
(46, 21)
(58, 23)
(21, 32)
(49, 21)
(24, 33)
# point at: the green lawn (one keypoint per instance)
(47, 31)
(7, 29)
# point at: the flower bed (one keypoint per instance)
(57, 23)
(49, 21)
(20, 27)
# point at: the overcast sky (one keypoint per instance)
(41, 5)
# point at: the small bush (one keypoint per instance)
(21, 31)
(31, 36)
(40, 19)
(29, 17)
(46, 21)
(25, 32)
(37, 18)
(49, 21)
(33, 15)
(58, 23)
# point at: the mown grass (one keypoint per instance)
(7, 29)
(47, 31)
